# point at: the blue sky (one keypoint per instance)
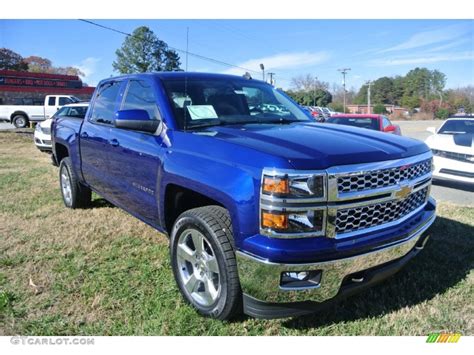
(371, 48)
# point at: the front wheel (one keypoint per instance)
(204, 263)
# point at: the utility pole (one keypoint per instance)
(369, 83)
(271, 78)
(263, 71)
(344, 72)
(314, 90)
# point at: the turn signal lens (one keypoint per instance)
(274, 221)
(274, 185)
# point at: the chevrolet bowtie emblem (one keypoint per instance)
(403, 192)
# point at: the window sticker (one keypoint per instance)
(202, 112)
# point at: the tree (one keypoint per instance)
(10, 60)
(38, 64)
(379, 109)
(318, 97)
(142, 52)
(307, 82)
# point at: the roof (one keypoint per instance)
(75, 104)
(180, 74)
(357, 115)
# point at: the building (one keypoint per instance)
(19, 87)
(391, 109)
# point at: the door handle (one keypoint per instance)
(84, 135)
(114, 142)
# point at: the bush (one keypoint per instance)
(442, 113)
(379, 109)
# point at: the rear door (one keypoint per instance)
(135, 158)
(95, 137)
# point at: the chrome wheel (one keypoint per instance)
(198, 267)
(66, 186)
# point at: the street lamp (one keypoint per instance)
(314, 90)
(344, 72)
(263, 71)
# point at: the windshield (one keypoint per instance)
(457, 127)
(208, 102)
(362, 122)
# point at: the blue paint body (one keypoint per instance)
(133, 170)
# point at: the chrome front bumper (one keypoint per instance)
(260, 278)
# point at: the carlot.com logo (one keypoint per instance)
(443, 338)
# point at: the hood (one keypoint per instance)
(46, 123)
(319, 146)
(458, 143)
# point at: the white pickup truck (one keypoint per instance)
(29, 110)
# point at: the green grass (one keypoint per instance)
(102, 272)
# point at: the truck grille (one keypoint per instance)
(382, 178)
(356, 218)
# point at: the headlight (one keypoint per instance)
(294, 185)
(291, 203)
(38, 127)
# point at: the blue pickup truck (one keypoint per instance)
(267, 211)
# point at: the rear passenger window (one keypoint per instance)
(140, 96)
(104, 105)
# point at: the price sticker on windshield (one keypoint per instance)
(202, 112)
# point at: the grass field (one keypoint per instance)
(102, 272)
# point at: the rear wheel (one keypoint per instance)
(203, 262)
(75, 195)
(20, 121)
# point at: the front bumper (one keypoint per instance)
(42, 141)
(450, 169)
(260, 279)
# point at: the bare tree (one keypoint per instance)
(308, 82)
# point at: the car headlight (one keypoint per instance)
(291, 203)
(38, 127)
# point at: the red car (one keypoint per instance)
(375, 122)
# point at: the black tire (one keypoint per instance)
(79, 196)
(20, 121)
(214, 223)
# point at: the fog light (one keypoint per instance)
(300, 279)
(274, 221)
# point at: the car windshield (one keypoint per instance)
(209, 102)
(362, 122)
(457, 127)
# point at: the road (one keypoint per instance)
(459, 194)
(454, 193)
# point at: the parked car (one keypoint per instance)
(375, 122)
(316, 113)
(267, 212)
(27, 111)
(328, 112)
(453, 150)
(42, 135)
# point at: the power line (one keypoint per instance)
(196, 55)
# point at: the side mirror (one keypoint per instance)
(432, 130)
(390, 129)
(135, 120)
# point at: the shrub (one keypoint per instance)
(379, 109)
(442, 113)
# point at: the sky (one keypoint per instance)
(371, 48)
